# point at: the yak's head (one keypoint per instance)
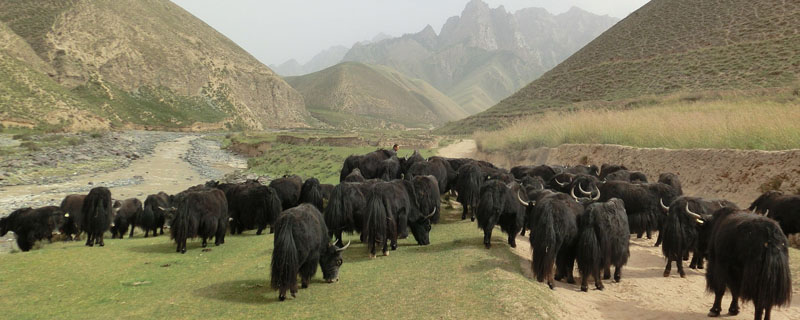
(585, 189)
(330, 260)
(57, 219)
(421, 229)
(761, 204)
(4, 226)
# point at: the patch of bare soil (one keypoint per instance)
(643, 292)
(461, 149)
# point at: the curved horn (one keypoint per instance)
(598, 171)
(572, 193)
(755, 209)
(766, 213)
(520, 200)
(694, 215)
(661, 201)
(561, 183)
(580, 187)
(598, 194)
(345, 246)
(432, 213)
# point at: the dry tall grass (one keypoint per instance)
(746, 123)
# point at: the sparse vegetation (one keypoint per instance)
(139, 277)
(749, 123)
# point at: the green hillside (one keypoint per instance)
(143, 63)
(358, 95)
(663, 48)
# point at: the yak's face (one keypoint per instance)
(58, 219)
(421, 229)
(330, 261)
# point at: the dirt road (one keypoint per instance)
(643, 293)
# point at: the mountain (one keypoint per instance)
(78, 63)
(353, 94)
(485, 54)
(665, 47)
(322, 60)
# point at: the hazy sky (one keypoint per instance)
(278, 30)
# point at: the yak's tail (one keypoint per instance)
(179, 230)
(673, 241)
(768, 280)
(375, 222)
(275, 207)
(543, 242)
(310, 193)
(589, 246)
(147, 220)
(285, 263)
(336, 212)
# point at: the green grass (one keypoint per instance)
(748, 123)
(453, 278)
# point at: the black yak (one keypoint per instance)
(346, 209)
(625, 175)
(498, 205)
(684, 232)
(543, 171)
(98, 215)
(31, 225)
(311, 193)
(468, 186)
(394, 207)
(642, 203)
(301, 242)
(201, 213)
(73, 204)
(288, 189)
(553, 236)
(748, 254)
(153, 216)
(607, 169)
(603, 239)
(785, 209)
(671, 180)
(436, 167)
(125, 214)
(379, 164)
(354, 176)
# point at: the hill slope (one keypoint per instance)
(666, 47)
(485, 54)
(375, 95)
(137, 62)
(323, 60)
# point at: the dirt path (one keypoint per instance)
(164, 170)
(643, 293)
(460, 149)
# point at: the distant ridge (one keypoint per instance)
(667, 46)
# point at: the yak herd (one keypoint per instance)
(578, 214)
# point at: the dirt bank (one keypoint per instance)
(739, 176)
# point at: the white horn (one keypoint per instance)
(580, 187)
(598, 194)
(694, 215)
(345, 246)
(572, 193)
(662, 204)
(520, 199)
(560, 183)
(766, 213)
(432, 213)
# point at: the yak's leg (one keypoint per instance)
(131, 234)
(693, 264)
(512, 239)
(385, 249)
(649, 236)
(734, 307)
(668, 268)
(617, 273)
(464, 212)
(717, 307)
(487, 231)
(607, 272)
(758, 313)
(205, 242)
(767, 312)
(700, 257)
(598, 282)
(584, 282)
(260, 229)
(101, 242)
(682, 273)
(569, 270)
(659, 239)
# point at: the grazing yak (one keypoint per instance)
(301, 242)
(153, 216)
(468, 186)
(98, 215)
(642, 203)
(31, 225)
(201, 213)
(125, 214)
(379, 164)
(288, 189)
(251, 205)
(785, 209)
(498, 206)
(603, 239)
(553, 236)
(683, 231)
(436, 167)
(73, 205)
(747, 254)
(311, 193)
(394, 207)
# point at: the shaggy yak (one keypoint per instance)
(499, 206)
(98, 215)
(31, 225)
(747, 254)
(201, 213)
(603, 238)
(73, 204)
(301, 242)
(125, 214)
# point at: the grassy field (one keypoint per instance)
(453, 278)
(749, 123)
